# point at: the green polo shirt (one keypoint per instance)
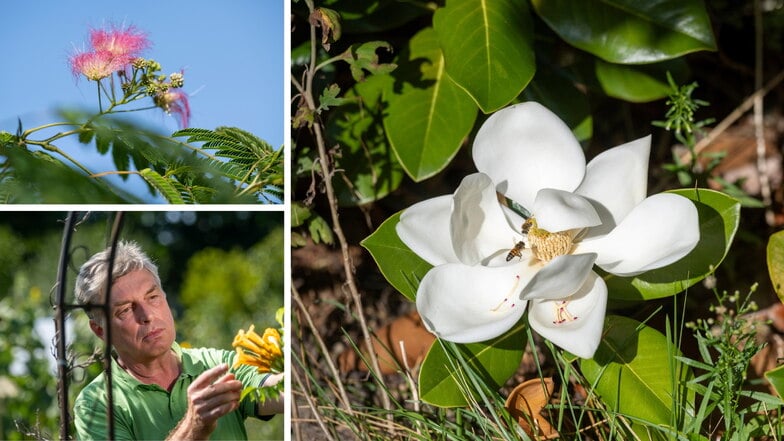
(149, 412)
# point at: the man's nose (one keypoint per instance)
(144, 313)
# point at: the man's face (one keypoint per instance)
(141, 321)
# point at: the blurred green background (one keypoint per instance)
(222, 271)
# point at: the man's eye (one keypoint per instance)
(123, 312)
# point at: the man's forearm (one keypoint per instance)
(189, 429)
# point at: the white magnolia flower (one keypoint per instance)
(490, 262)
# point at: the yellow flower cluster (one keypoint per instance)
(264, 352)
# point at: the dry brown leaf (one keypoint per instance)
(408, 329)
(526, 402)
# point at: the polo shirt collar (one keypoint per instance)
(128, 381)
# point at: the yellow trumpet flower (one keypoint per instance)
(264, 352)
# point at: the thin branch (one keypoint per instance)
(737, 113)
(29, 132)
(116, 172)
(759, 123)
(313, 408)
(348, 267)
(53, 148)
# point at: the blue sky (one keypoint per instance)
(232, 53)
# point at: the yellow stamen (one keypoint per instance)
(545, 245)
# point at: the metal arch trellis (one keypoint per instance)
(61, 311)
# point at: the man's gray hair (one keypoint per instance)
(91, 282)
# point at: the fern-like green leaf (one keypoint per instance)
(250, 163)
(163, 185)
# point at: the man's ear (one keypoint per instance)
(97, 329)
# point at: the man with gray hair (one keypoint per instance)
(160, 389)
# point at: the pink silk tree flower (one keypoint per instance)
(175, 101)
(125, 44)
(95, 65)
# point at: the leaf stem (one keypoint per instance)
(53, 148)
(116, 172)
(29, 132)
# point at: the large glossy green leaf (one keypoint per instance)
(639, 83)
(776, 379)
(402, 268)
(369, 167)
(487, 48)
(444, 382)
(634, 372)
(776, 263)
(630, 31)
(719, 216)
(428, 115)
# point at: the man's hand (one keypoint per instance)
(212, 394)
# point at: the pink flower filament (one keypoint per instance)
(113, 50)
(126, 44)
(95, 65)
(175, 101)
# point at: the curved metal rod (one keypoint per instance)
(107, 359)
(60, 306)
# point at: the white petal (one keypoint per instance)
(558, 210)
(466, 304)
(424, 227)
(560, 278)
(479, 228)
(661, 230)
(616, 181)
(526, 147)
(577, 325)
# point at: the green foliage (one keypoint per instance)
(426, 127)
(363, 58)
(635, 374)
(699, 169)
(491, 56)
(402, 268)
(639, 83)
(775, 253)
(680, 113)
(380, 121)
(776, 379)
(368, 169)
(232, 166)
(28, 402)
(245, 285)
(630, 31)
(252, 165)
(30, 177)
(442, 380)
(317, 227)
(727, 345)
